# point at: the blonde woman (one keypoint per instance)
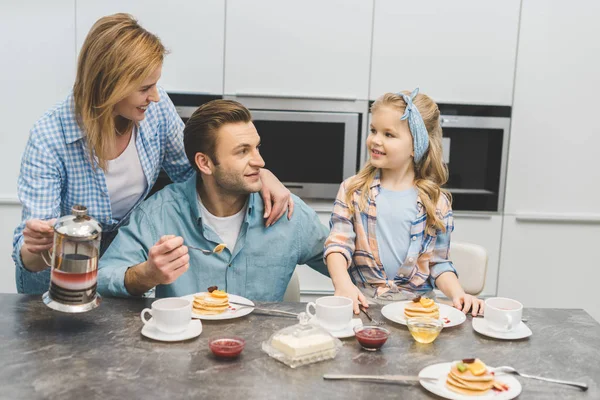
(104, 146)
(391, 224)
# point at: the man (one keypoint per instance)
(218, 205)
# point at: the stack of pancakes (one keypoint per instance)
(211, 303)
(472, 382)
(423, 307)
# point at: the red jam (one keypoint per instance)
(371, 338)
(227, 347)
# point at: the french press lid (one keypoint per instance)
(78, 225)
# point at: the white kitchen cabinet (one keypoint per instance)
(550, 264)
(552, 166)
(486, 231)
(193, 32)
(459, 51)
(313, 48)
(37, 71)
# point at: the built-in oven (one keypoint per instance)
(310, 144)
(475, 148)
(310, 152)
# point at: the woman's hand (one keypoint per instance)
(38, 235)
(465, 302)
(277, 198)
(352, 292)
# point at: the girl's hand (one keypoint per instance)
(276, 197)
(352, 292)
(465, 302)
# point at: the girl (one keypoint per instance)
(104, 146)
(391, 223)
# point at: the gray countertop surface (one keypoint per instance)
(102, 355)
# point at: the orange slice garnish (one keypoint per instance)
(425, 302)
(219, 248)
(219, 294)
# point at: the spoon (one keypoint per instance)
(218, 248)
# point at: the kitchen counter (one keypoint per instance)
(102, 355)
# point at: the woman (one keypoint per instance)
(104, 146)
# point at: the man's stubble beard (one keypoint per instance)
(231, 183)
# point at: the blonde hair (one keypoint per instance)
(116, 57)
(430, 173)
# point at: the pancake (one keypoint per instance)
(215, 302)
(475, 380)
(423, 307)
(466, 392)
(468, 376)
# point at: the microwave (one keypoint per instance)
(310, 144)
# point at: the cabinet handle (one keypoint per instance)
(296, 96)
(560, 218)
(459, 214)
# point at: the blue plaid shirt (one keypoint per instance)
(56, 173)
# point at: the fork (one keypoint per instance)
(511, 370)
(265, 310)
(374, 321)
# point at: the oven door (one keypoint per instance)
(475, 150)
(310, 152)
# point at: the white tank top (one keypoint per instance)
(125, 180)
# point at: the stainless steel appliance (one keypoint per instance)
(310, 144)
(475, 142)
(74, 263)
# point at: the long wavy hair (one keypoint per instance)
(116, 57)
(430, 173)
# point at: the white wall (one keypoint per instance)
(37, 70)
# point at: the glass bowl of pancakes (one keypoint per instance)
(424, 329)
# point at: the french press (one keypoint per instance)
(74, 263)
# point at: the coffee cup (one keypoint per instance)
(503, 314)
(333, 313)
(170, 315)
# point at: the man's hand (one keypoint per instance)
(168, 259)
(276, 197)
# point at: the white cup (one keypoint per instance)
(170, 315)
(502, 314)
(333, 313)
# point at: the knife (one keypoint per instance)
(379, 378)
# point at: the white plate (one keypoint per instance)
(194, 329)
(395, 312)
(521, 331)
(343, 333)
(233, 311)
(438, 387)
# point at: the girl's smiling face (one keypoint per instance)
(390, 142)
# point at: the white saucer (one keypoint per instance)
(194, 329)
(441, 370)
(343, 333)
(521, 331)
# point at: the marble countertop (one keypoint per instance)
(102, 355)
